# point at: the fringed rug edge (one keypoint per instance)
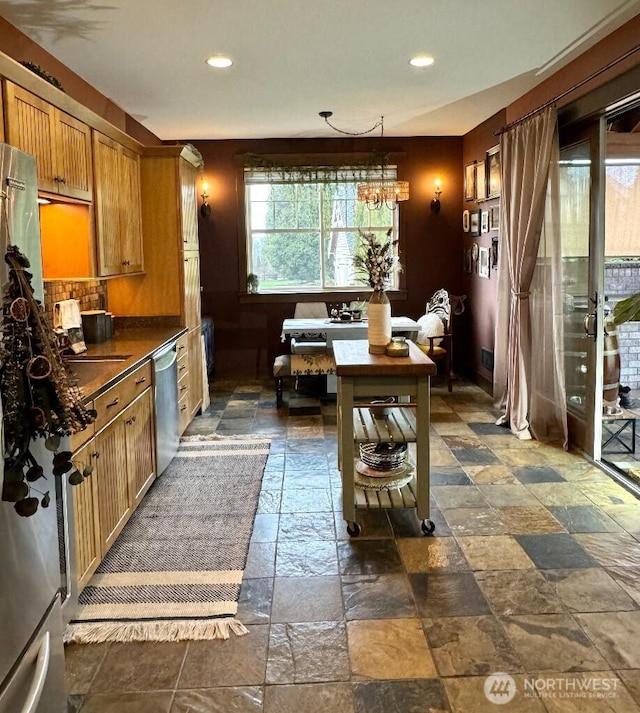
(218, 437)
(97, 632)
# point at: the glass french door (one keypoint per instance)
(581, 173)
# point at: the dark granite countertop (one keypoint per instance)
(134, 344)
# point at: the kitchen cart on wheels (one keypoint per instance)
(363, 378)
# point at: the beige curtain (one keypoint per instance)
(528, 373)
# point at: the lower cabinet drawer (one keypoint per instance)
(114, 400)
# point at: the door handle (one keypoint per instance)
(42, 669)
(591, 324)
(591, 319)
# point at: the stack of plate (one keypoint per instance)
(373, 479)
(383, 456)
(382, 466)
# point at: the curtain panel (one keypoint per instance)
(528, 373)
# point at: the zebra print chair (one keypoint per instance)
(435, 338)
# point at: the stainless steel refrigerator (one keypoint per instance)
(31, 648)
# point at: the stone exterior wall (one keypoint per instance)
(622, 279)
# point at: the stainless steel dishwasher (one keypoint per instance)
(165, 374)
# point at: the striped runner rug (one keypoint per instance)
(175, 570)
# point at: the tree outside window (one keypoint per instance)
(302, 233)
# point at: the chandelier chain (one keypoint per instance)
(325, 115)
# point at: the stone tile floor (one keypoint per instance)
(533, 570)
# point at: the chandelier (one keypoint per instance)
(376, 193)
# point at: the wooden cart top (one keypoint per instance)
(353, 359)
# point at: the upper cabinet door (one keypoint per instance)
(106, 162)
(117, 207)
(74, 157)
(189, 205)
(31, 128)
(61, 144)
(131, 218)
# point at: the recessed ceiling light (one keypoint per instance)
(421, 60)
(219, 61)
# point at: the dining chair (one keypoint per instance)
(310, 342)
(435, 338)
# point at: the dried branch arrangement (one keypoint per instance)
(38, 400)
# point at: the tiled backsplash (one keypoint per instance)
(92, 294)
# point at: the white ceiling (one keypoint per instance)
(294, 58)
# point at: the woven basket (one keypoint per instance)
(383, 456)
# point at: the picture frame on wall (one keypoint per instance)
(494, 253)
(483, 262)
(493, 172)
(467, 260)
(474, 223)
(481, 188)
(470, 181)
(484, 221)
(465, 221)
(494, 217)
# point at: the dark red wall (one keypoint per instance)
(247, 331)
(476, 327)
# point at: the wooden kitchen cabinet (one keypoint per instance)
(114, 501)
(122, 453)
(195, 371)
(192, 290)
(117, 207)
(60, 143)
(88, 546)
(170, 285)
(139, 433)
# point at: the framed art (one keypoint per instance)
(481, 188)
(470, 181)
(467, 260)
(494, 217)
(494, 253)
(474, 223)
(493, 172)
(484, 221)
(465, 221)
(483, 262)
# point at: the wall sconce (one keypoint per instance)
(435, 203)
(205, 208)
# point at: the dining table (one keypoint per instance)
(333, 329)
(337, 329)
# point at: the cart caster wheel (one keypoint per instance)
(428, 527)
(353, 529)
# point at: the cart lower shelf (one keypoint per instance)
(369, 499)
(404, 497)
